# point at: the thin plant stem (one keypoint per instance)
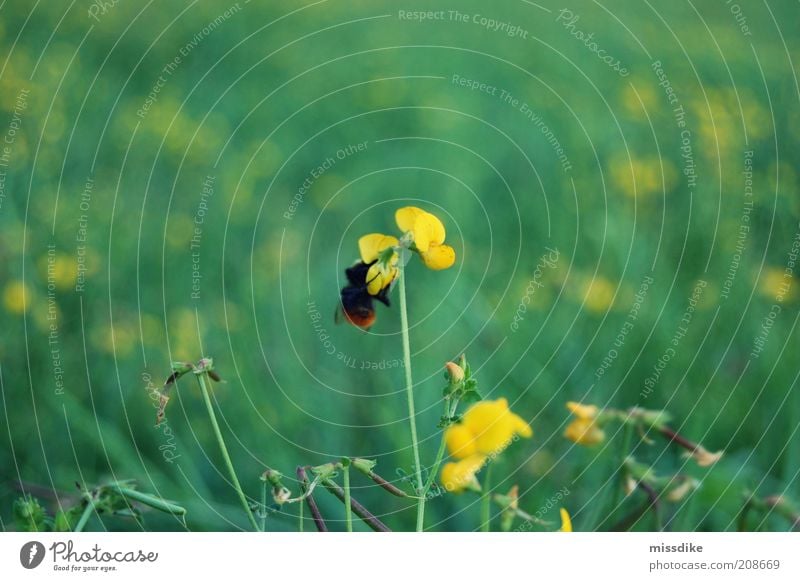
(300, 522)
(87, 512)
(348, 510)
(316, 515)
(410, 395)
(149, 500)
(486, 501)
(449, 410)
(263, 525)
(624, 450)
(359, 509)
(226, 457)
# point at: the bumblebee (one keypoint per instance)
(357, 306)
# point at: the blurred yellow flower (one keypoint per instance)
(566, 521)
(486, 429)
(776, 284)
(16, 297)
(61, 269)
(583, 429)
(643, 176)
(598, 294)
(428, 234)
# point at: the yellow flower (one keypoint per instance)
(584, 429)
(493, 426)
(776, 283)
(598, 294)
(16, 297)
(377, 248)
(460, 476)
(428, 234)
(486, 429)
(460, 441)
(566, 522)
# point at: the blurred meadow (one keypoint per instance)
(187, 179)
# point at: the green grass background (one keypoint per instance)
(272, 92)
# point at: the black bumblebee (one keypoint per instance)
(357, 306)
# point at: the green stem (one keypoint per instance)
(300, 527)
(486, 501)
(348, 510)
(410, 395)
(263, 525)
(449, 410)
(87, 512)
(226, 457)
(151, 501)
(624, 450)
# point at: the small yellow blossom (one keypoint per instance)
(776, 283)
(584, 429)
(428, 234)
(373, 248)
(486, 429)
(493, 426)
(566, 521)
(598, 294)
(704, 458)
(16, 297)
(460, 476)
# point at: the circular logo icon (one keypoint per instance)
(31, 554)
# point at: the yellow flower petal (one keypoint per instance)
(460, 442)
(371, 245)
(566, 522)
(584, 432)
(459, 476)
(407, 217)
(379, 277)
(439, 257)
(494, 426)
(426, 228)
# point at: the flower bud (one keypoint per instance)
(454, 372)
